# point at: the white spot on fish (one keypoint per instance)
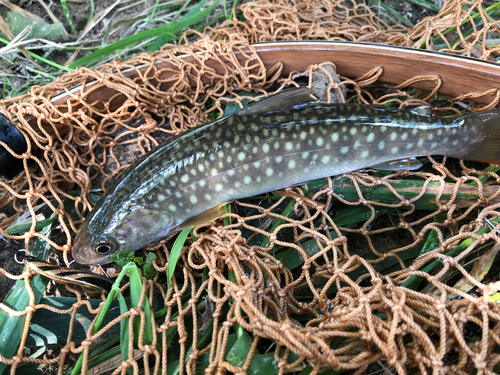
(193, 199)
(319, 142)
(434, 144)
(325, 159)
(370, 137)
(303, 135)
(258, 179)
(220, 154)
(227, 144)
(311, 130)
(383, 129)
(213, 172)
(231, 172)
(305, 155)
(184, 178)
(455, 142)
(353, 131)
(291, 164)
(381, 145)
(409, 146)
(218, 187)
(357, 144)
(208, 197)
(365, 154)
(265, 148)
(229, 159)
(430, 137)
(247, 180)
(276, 145)
(289, 146)
(202, 183)
(256, 164)
(269, 172)
(393, 136)
(241, 156)
(344, 150)
(404, 136)
(279, 159)
(237, 184)
(172, 208)
(335, 137)
(394, 150)
(420, 142)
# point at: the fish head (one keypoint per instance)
(104, 233)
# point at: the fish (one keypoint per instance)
(283, 140)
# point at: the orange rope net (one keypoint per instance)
(321, 290)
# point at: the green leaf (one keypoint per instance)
(239, 351)
(12, 327)
(149, 270)
(39, 29)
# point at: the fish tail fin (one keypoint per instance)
(483, 137)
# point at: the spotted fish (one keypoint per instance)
(280, 141)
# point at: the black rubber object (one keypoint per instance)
(10, 166)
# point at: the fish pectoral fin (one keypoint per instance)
(422, 110)
(279, 101)
(406, 164)
(205, 217)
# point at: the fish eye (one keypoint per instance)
(104, 248)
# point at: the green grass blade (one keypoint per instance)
(173, 27)
(124, 331)
(67, 14)
(175, 253)
(413, 280)
(286, 212)
(426, 5)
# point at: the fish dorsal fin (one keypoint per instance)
(406, 164)
(422, 110)
(205, 217)
(279, 101)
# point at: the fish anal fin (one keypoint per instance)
(406, 164)
(422, 110)
(207, 216)
(277, 102)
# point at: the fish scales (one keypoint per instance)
(247, 154)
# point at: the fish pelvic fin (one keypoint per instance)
(485, 147)
(205, 217)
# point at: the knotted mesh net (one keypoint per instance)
(351, 272)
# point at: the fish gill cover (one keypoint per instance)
(355, 271)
